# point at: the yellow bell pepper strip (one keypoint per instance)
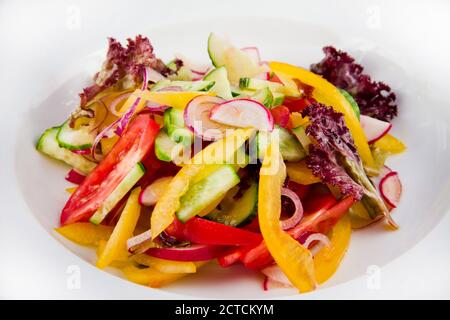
(71, 189)
(300, 173)
(164, 212)
(121, 261)
(117, 243)
(297, 119)
(327, 260)
(294, 260)
(85, 233)
(165, 266)
(177, 100)
(328, 94)
(390, 145)
(152, 277)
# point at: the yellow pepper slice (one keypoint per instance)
(327, 260)
(177, 100)
(85, 233)
(164, 211)
(294, 260)
(71, 189)
(300, 173)
(390, 145)
(328, 94)
(297, 119)
(120, 261)
(165, 266)
(117, 243)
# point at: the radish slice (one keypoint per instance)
(391, 189)
(75, 177)
(253, 52)
(243, 113)
(274, 273)
(153, 192)
(373, 128)
(196, 118)
(192, 253)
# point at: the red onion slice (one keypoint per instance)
(154, 76)
(123, 122)
(323, 242)
(199, 69)
(194, 252)
(75, 177)
(253, 52)
(274, 273)
(153, 106)
(108, 132)
(137, 244)
(82, 152)
(116, 101)
(170, 88)
(298, 213)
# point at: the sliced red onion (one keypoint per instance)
(145, 78)
(253, 52)
(323, 242)
(116, 101)
(274, 273)
(123, 121)
(194, 252)
(138, 244)
(198, 69)
(153, 106)
(266, 283)
(298, 213)
(100, 123)
(82, 152)
(171, 88)
(75, 177)
(108, 132)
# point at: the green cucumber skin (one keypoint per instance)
(212, 55)
(352, 102)
(204, 192)
(69, 146)
(240, 213)
(175, 127)
(164, 146)
(222, 85)
(121, 190)
(265, 97)
(48, 145)
(290, 148)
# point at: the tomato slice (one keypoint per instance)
(131, 148)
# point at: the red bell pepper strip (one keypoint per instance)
(131, 148)
(321, 221)
(202, 231)
(281, 116)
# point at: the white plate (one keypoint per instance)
(63, 48)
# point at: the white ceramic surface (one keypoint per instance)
(44, 73)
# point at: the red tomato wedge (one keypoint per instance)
(131, 148)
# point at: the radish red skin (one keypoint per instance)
(391, 196)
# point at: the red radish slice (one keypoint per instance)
(373, 128)
(196, 117)
(191, 253)
(75, 177)
(243, 113)
(391, 189)
(274, 273)
(253, 52)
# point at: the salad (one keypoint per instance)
(244, 162)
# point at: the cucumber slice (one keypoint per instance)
(236, 212)
(264, 96)
(175, 127)
(278, 99)
(258, 84)
(352, 102)
(216, 49)
(221, 84)
(206, 191)
(119, 192)
(184, 85)
(48, 145)
(75, 139)
(168, 150)
(290, 147)
(183, 74)
(301, 136)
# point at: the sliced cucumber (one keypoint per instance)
(119, 192)
(75, 139)
(258, 84)
(264, 96)
(207, 191)
(221, 84)
(184, 85)
(290, 147)
(352, 102)
(183, 74)
(301, 136)
(48, 144)
(278, 99)
(236, 212)
(175, 127)
(168, 150)
(216, 49)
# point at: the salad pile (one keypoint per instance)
(241, 161)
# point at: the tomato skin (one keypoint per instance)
(297, 104)
(281, 116)
(131, 148)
